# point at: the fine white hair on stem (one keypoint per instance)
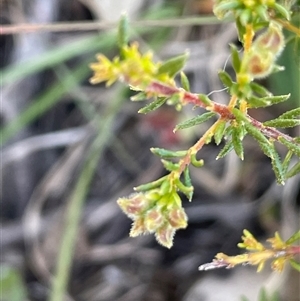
(229, 56)
(217, 91)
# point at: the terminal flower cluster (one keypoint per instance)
(153, 212)
(280, 253)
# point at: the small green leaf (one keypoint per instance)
(153, 105)
(277, 99)
(295, 264)
(277, 167)
(293, 171)
(205, 99)
(282, 10)
(184, 82)
(187, 190)
(195, 162)
(225, 78)
(259, 89)
(165, 153)
(235, 58)
(173, 65)
(187, 177)
(258, 136)
(293, 238)
(227, 6)
(139, 96)
(165, 187)
(286, 162)
(194, 121)
(241, 30)
(219, 131)
(245, 16)
(262, 12)
(290, 114)
(237, 141)
(170, 166)
(225, 150)
(256, 102)
(240, 116)
(123, 35)
(282, 123)
(295, 148)
(151, 185)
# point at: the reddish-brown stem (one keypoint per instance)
(223, 110)
(293, 250)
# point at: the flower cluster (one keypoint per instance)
(154, 212)
(279, 253)
(259, 61)
(135, 68)
(249, 11)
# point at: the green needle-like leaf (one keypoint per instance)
(153, 105)
(259, 89)
(256, 102)
(173, 65)
(187, 190)
(295, 264)
(290, 114)
(194, 121)
(165, 153)
(286, 162)
(151, 185)
(225, 150)
(282, 10)
(237, 142)
(282, 123)
(225, 78)
(195, 162)
(219, 131)
(277, 99)
(170, 166)
(293, 238)
(293, 171)
(290, 145)
(236, 61)
(123, 35)
(277, 166)
(184, 81)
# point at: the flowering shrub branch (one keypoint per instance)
(156, 207)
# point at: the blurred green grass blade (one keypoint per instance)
(88, 44)
(44, 102)
(77, 198)
(56, 56)
(11, 284)
(288, 80)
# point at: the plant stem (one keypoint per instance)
(225, 113)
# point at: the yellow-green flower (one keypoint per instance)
(276, 242)
(105, 70)
(250, 243)
(155, 212)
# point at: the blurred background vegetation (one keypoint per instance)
(69, 150)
